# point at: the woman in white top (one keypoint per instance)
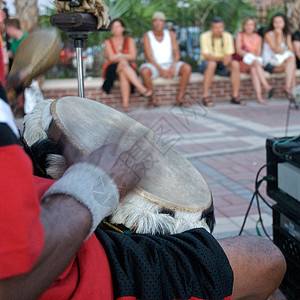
(249, 43)
(277, 40)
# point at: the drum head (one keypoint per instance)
(37, 53)
(170, 182)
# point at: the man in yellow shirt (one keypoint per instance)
(217, 48)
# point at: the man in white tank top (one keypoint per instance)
(162, 53)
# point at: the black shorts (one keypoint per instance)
(162, 267)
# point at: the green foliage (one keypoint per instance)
(117, 8)
(271, 12)
(264, 25)
(193, 62)
(139, 14)
(44, 21)
(233, 12)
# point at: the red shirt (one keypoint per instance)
(21, 234)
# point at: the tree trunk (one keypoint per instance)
(292, 8)
(27, 12)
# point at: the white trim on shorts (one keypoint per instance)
(155, 73)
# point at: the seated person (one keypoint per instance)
(49, 251)
(248, 41)
(15, 32)
(277, 40)
(163, 59)
(121, 53)
(216, 58)
(296, 44)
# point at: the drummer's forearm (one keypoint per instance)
(66, 224)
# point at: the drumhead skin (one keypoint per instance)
(171, 198)
(37, 53)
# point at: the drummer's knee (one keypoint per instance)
(258, 266)
(270, 260)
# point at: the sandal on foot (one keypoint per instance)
(289, 94)
(152, 105)
(207, 102)
(237, 101)
(183, 104)
(126, 109)
(292, 99)
(262, 102)
(147, 93)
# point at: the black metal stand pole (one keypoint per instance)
(79, 39)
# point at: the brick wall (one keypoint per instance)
(165, 89)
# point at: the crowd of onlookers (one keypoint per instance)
(248, 53)
(278, 51)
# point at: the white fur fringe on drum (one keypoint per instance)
(142, 216)
(37, 124)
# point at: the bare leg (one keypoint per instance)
(261, 74)
(125, 90)
(256, 84)
(258, 266)
(146, 75)
(294, 81)
(208, 76)
(290, 69)
(184, 72)
(131, 76)
(235, 78)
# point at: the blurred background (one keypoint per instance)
(188, 18)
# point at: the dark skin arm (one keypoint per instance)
(66, 224)
(61, 218)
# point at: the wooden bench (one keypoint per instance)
(166, 89)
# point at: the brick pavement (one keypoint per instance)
(226, 144)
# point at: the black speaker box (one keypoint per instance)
(286, 235)
(286, 213)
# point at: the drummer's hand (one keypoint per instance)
(96, 179)
(122, 167)
(16, 80)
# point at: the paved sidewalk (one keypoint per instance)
(226, 144)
